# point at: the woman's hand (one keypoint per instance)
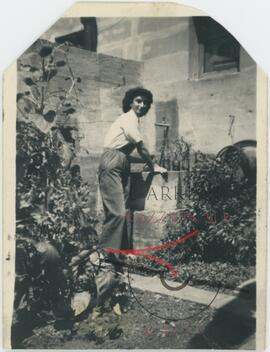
(160, 170)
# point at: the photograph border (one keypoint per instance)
(9, 159)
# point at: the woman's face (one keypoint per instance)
(140, 105)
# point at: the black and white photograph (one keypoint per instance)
(136, 186)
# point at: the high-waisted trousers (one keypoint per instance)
(114, 185)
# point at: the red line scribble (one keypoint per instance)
(159, 260)
(140, 251)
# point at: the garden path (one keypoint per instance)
(227, 302)
(234, 321)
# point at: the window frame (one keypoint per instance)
(197, 51)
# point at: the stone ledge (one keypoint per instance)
(154, 192)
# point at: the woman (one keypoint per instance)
(121, 140)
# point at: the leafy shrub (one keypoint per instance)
(222, 208)
(216, 274)
(51, 198)
(52, 202)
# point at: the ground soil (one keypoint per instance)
(137, 329)
(193, 326)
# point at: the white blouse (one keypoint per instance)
(123, 131)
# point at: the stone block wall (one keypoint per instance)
(205, 108)
(163, 55)
(97, 99)
(154, 192)
(167, 52)
(141, 38)
(149, 226)
(197, 108)
(156, 202)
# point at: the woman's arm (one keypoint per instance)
(135, 157)
(146, 157)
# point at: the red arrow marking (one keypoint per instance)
(138, 252)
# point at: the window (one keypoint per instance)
(218, 49)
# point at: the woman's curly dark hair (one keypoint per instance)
(135, 92)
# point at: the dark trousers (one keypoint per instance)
(114, 184)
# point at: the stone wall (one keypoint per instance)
(97, 99)
(156, 202)
(141, 38)
(205, 105)
(198, 108)
(163, 55)
(169, 53)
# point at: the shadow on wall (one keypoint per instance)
(139, 190)
(228, 330)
